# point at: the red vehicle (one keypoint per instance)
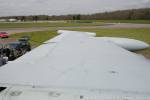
(4, 35)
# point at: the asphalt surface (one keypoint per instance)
(19, 30)
(126, 25)
(108, 26)
(114, 26)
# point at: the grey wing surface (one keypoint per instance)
(78, 61)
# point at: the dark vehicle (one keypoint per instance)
(24, 41)
(15, 49)
(4, 35)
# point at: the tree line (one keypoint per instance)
(131, 14)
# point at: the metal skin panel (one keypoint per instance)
(76, 60)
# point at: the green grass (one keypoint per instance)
(37, 38)
(127, 21)
(46, 24)
(140, 34)
(114, 21)
(67, 23)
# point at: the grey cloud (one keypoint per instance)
(58, 7)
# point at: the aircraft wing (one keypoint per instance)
(76, 60)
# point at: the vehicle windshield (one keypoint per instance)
(13, 44)
(24, 40)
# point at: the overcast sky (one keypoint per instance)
(58, 7)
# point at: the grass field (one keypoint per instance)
(47, 24)
(127, 21)
(117, 21)
(67, 23)
(37, 38)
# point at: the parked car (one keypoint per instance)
(15, 49)
(25, 42)
(4, 35)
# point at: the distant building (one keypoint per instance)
(12, 20)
